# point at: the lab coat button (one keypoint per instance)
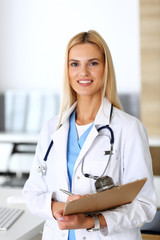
(84, 238)
(78, 177)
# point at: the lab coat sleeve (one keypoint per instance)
(135, 164)
(35, 191)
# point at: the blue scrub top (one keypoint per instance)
(74, 146)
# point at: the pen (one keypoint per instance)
(66, 192)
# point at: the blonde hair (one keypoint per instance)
(109, 88)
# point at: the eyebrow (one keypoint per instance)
(89, 60)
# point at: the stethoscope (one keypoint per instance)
(101, 181)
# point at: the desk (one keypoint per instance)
(27, 226)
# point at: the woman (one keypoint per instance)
(89, 92)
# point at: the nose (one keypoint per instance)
(84, 71)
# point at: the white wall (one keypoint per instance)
(34, 34)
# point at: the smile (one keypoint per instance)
(85, 81)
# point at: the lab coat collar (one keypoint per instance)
(64, 125)
(66, 115)
(102, 117)
(103, 114)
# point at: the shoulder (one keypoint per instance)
(123, 116)
(126, 121)
(129, 130)
(120, 120)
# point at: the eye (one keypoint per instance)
(74, 64)
(94, 63)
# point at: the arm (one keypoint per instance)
(56, 206)
(135, 164)
(36, 194)
(78, 221)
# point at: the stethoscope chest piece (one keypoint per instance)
(42, 169)
(104, 183)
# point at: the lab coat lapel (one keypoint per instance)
(60, 137)
(60, 143)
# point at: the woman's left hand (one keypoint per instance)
(74, 221)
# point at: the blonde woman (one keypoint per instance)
(90, 122)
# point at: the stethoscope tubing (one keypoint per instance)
(111, 150)
(110, 153)
(48, 151)
(99, 129)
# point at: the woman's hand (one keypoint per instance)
(56, 206)
(74, 221)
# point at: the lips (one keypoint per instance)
(86, 82)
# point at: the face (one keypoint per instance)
(86, 69)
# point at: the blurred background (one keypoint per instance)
(33, 38)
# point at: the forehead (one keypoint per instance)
(85, 50)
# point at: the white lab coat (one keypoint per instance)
(131, 161)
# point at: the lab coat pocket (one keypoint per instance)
(106, 165)
(100, 160)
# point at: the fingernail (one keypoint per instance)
(60, 218)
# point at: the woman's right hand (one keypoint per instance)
(56, 206)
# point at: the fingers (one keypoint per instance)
(73, 197)
(61, 218)
(64, 222)
(56, 206)
(58, 214)
(74, 221)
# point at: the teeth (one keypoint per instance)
(84, 81)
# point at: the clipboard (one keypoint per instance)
(105, 200)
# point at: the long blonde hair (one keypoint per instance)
(109, 88)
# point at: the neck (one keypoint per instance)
(87, 109)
